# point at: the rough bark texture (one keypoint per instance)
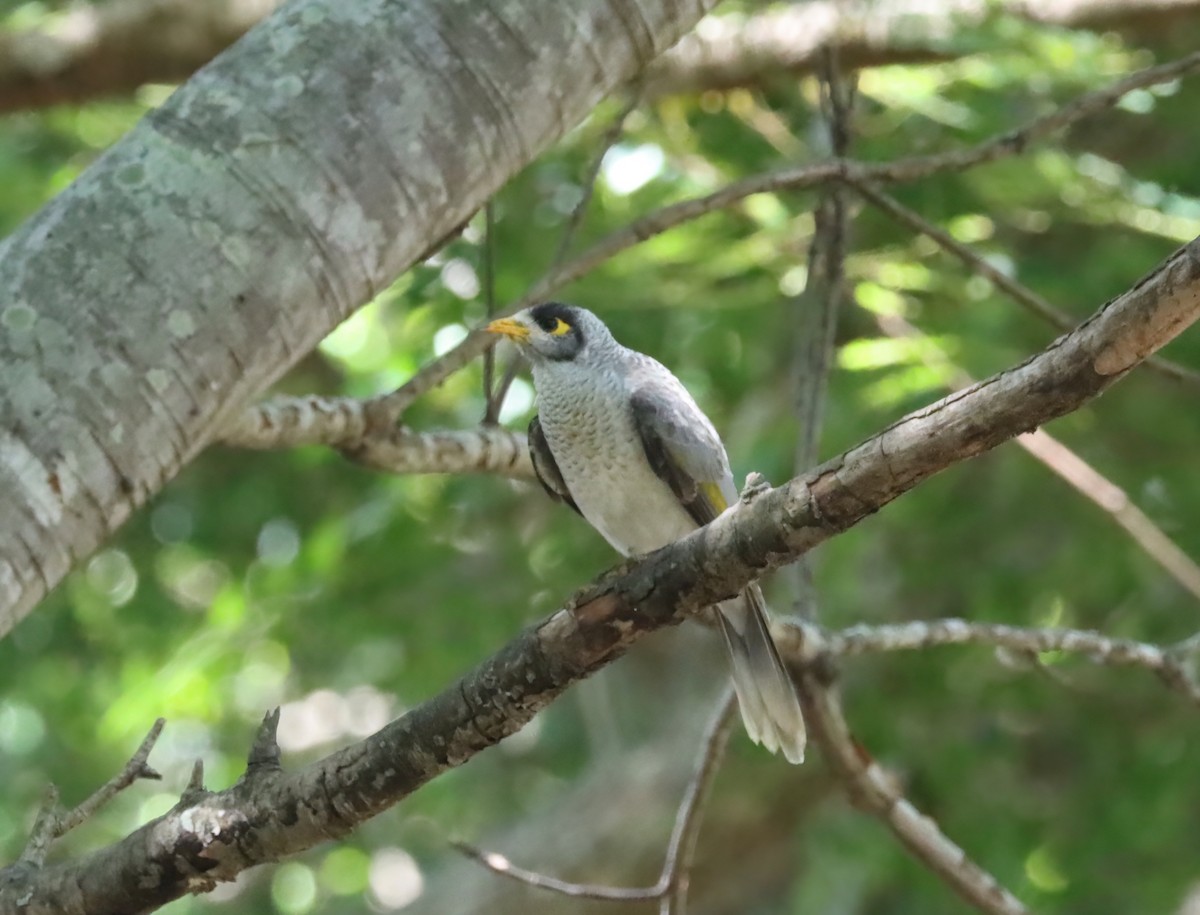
(234, 227)
(271, 813)
(113, 48)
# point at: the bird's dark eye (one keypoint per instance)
(554, 326)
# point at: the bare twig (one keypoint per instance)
(609, 138)
(816, 308)
(1017, 291)
(53, 823)
(492, 404)
(498, 864)
(671, 887)
(875, 792)
(1115, 502)
(1077, 472)
(1098, 648)
(1014, 142)
(500, 391)
(135, 769)
(677, 867)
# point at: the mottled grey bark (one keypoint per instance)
(276, 191)
(271, 813)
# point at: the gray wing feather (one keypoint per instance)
(546, 468)
(680, 442)
(685, 451)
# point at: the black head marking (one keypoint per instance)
(548, 314)
(564, 323)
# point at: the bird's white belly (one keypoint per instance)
(631, 507)
(620, 495)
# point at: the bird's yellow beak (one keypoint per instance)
(510, 328)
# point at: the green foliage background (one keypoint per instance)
(296, 578)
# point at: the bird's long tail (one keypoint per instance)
(766, 695)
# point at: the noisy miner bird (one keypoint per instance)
(619, 439)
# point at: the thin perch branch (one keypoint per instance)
(1098, 648)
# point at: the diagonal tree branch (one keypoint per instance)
(269, 814)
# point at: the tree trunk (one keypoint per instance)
(280, 188)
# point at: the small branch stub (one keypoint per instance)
(264, 752)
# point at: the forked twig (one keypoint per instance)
(53, 823)
(671, 887)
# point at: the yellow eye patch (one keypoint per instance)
(560, 327)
